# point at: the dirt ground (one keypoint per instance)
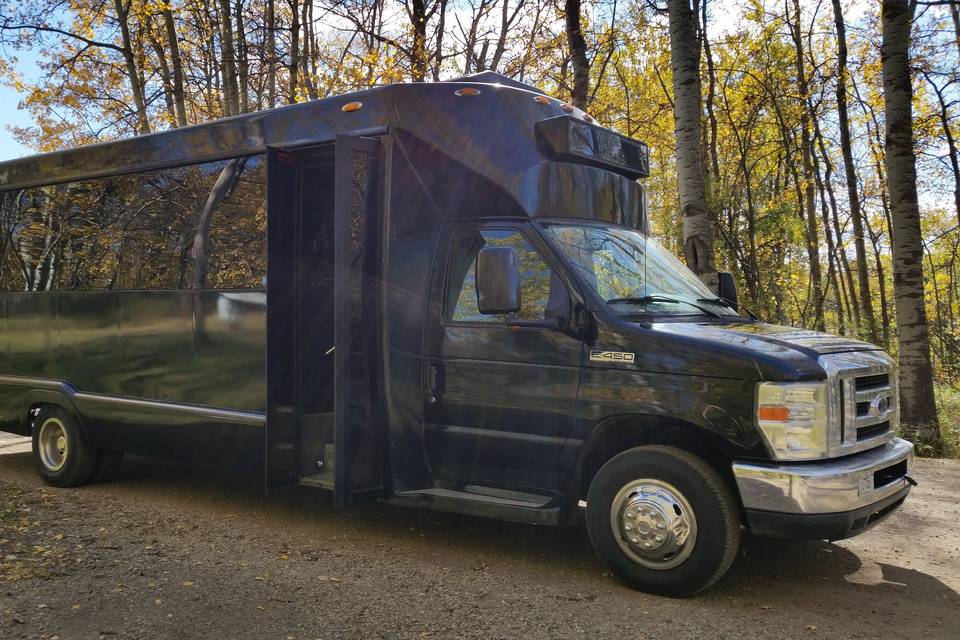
(172, 552)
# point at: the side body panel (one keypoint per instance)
(190, 353)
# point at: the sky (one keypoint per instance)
(10, 114)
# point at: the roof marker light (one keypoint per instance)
(351, 106)
(541, 100)
(467, 91)
(566, 106)
(587, 117)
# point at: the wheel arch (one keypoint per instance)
(616, 434)
(36, 398)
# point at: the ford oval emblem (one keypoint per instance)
(879, 405)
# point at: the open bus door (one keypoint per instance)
(360, 420)
(326, 422)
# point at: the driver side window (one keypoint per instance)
(536, 277)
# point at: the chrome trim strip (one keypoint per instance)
(831, 486)
(69, 392)
(252, 418)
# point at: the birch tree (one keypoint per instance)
(918, 406)
(685, 63)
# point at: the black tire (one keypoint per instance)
(77, 459)
(109, 462)
(716, 521)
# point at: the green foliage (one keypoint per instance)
(948, 406)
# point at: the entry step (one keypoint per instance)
(487, 495)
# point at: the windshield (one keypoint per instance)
(633, 273)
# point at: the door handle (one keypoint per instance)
(435, 383)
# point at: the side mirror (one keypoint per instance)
(498, 280)
(727, 287)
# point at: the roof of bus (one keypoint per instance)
(485, 123)
(410, 106)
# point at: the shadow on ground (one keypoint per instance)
(812, 584)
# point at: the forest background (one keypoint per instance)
(781, 131)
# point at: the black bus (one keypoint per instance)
(442, 295)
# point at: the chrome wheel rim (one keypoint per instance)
(653, 523)
(53, 444)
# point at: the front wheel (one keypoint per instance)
(663, 520)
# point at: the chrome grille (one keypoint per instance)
(864, 411)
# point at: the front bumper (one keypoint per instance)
(831, 499)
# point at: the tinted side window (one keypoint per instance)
(536, 276)
(151, 230)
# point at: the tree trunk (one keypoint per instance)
(952, 152)
(918, 404)
(176, 64)
(578, 54)
(133, 75)
(243, 62)
(810, 201)
(685, 62)
(438, 54)
(307, 51)
(506, 20)
(294, 67)
(222, 188)
(271, 54)
(418, 53)
(955, 14)
(228, 64)
(166, 78)
(856, 215)
(847, 276)
(711, 93)
(833, 263)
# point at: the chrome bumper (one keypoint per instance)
(830, 486)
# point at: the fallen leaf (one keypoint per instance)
(187, 583)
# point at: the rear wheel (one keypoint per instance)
(663, 520)
(60, 454)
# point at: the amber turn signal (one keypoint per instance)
(467, 91)
(773, 413)
(351, 106)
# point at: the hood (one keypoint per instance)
(811, 343)
(736, 349)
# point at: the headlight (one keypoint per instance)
(793, 418)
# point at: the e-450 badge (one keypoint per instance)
(624, 357)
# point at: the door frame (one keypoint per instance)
(349, 486)
(282, 423)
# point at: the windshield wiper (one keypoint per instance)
(661, 298)
(726, 303)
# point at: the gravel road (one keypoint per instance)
(172, 552)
